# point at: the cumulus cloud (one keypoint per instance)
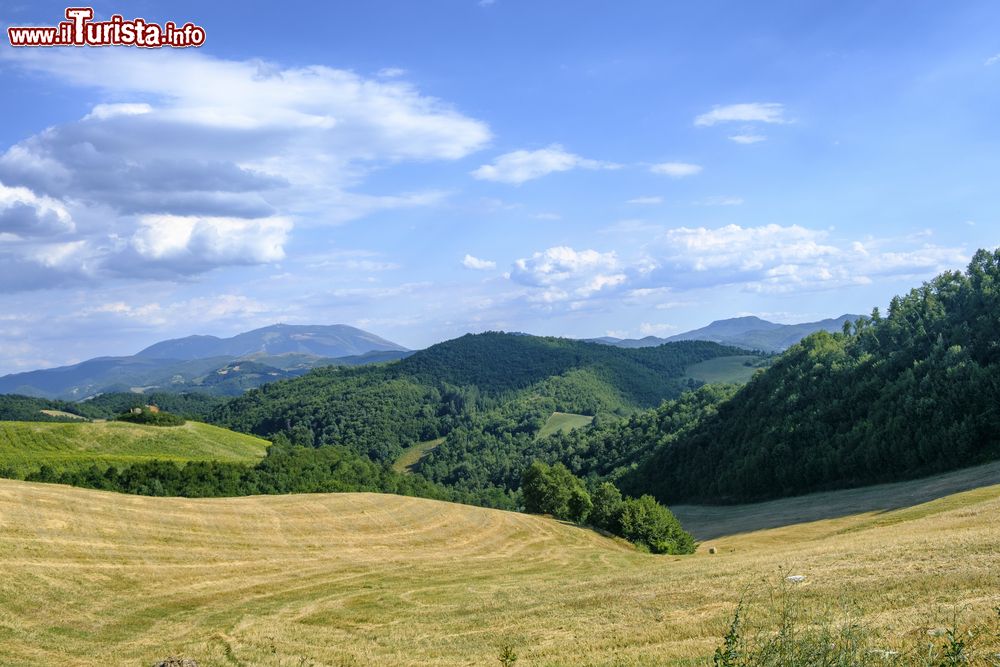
(25, 214)
(754, 112)
(768, 258)
(675, 169)
(564, 273)
(520, 166)
(471, 262)
(204, 143)
(645, 200)
(192, 244)
(992, 60)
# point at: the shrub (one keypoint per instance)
(647, 522)
(146, 416)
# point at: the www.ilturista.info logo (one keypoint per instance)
(81, 30)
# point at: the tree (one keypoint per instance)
(554, 490)
(607, 511)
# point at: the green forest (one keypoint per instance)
(895, 396)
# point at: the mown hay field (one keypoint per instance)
(96, 578)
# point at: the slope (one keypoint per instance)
(26, 446)
(380, 410)
(898, 397)
(362, 579)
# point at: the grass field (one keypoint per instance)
(724, 369)
(26, 446)
(563, 422)
(414, 453)
(95, 578)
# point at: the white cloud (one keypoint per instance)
(645, 200)
(196, 137)
(992, 60)
(391, 72)
(769, 258)
(190, 244)
(471, 262)
(520, 166)
(755, 112)
(105, 111)
(25, 214)
(675, 169)
(747, 138)
(563, 273)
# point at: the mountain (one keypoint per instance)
(210, 364)
(337, 340)
(900, 396)
(751, 333)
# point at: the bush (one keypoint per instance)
(555, 490)
(647, 522)
(147, 416)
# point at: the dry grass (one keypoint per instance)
(90, 578)
(412, 455)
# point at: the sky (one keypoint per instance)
(426, 169)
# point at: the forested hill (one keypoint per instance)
(500, 362)
(894, 397)
(379, 410)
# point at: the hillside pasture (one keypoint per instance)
(367, 579)
(729, 370)
(563, 422)
(26, 446)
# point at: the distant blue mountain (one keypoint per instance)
(751, 333)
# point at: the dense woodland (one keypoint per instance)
(914, 392)
(490, 384)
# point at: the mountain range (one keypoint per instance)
(230, 366)
(226, 366)
(750, 333)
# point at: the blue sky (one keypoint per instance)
(424, 169)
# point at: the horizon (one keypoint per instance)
(623, 174)
(585, 339)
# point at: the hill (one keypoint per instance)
(26, 446)
(514, 382)
(359, 579)
(897, 397)
(218, 366)
(750, 333)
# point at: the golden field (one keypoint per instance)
(95, 578)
